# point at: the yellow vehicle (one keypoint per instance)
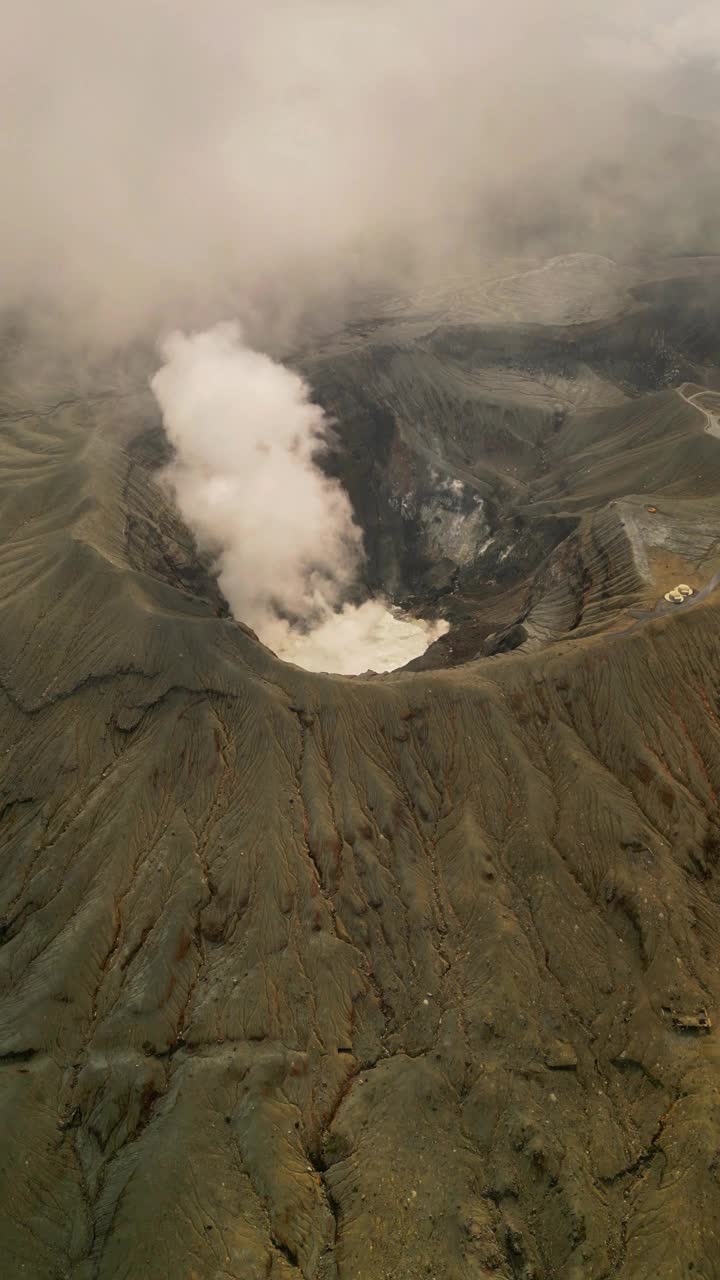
(679, 594)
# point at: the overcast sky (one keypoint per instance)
(163, 157)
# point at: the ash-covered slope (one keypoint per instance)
(351, 979)
(485, 463)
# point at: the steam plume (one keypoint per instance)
(246, 436)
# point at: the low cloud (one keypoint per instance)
(166, 162)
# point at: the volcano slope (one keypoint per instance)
(352, 979)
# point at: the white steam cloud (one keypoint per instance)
(245, 478)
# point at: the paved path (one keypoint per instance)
(712, 420)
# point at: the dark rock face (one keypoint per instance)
(303, 976)
(480, 461)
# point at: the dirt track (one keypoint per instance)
(712, 420)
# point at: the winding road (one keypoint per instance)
(712, 420)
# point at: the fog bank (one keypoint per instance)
(170, 163)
